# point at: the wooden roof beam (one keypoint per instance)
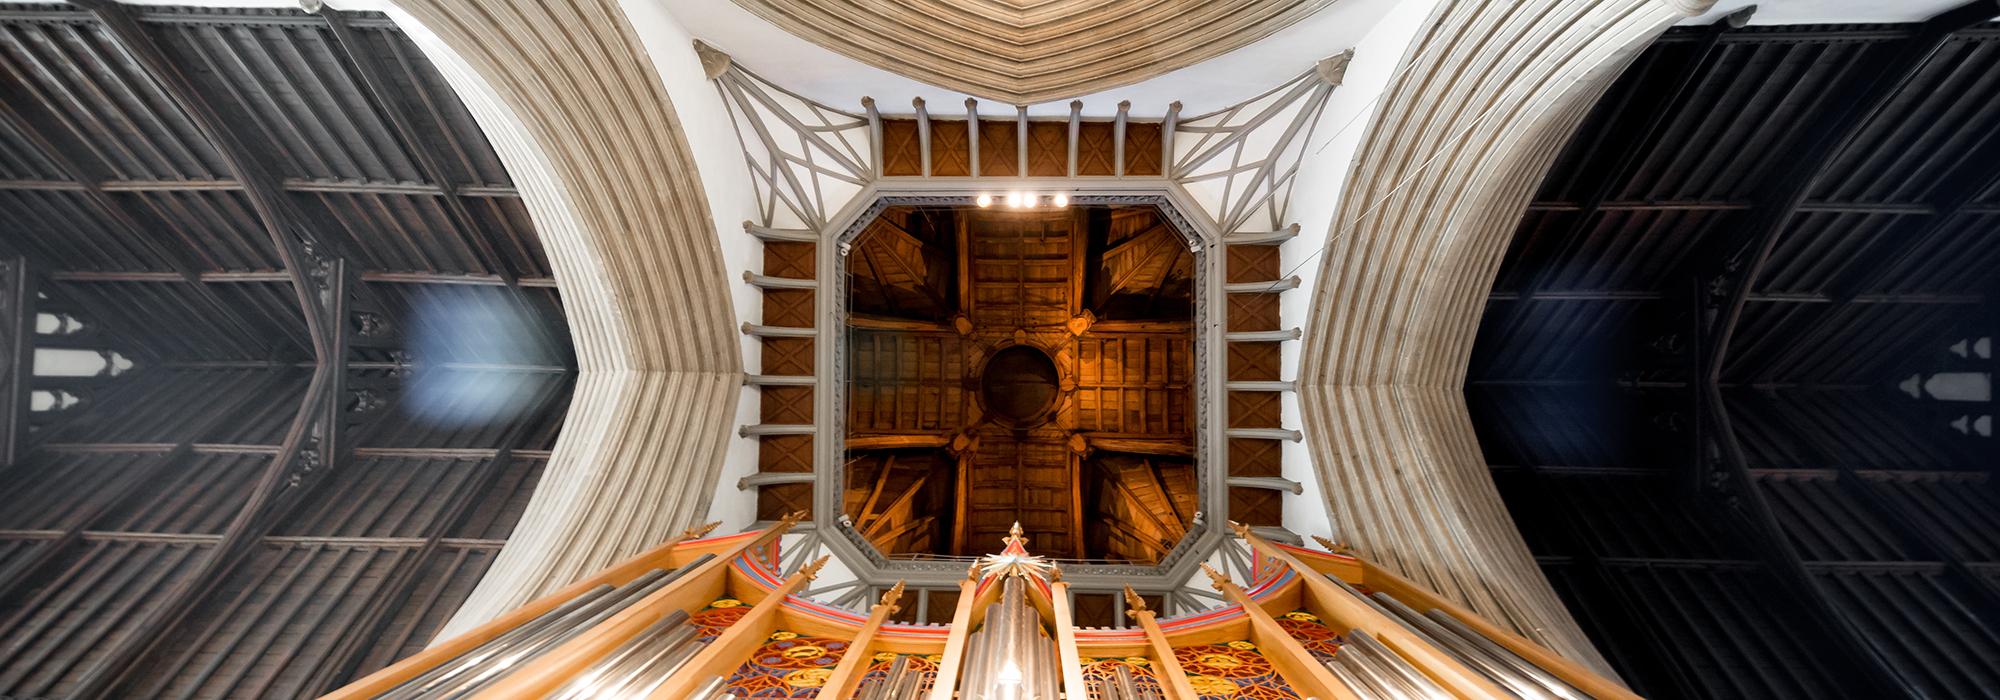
(1811, 166)
(1783, 557)
(1632, 149)
(406, 575)
(313, 445)
(307, 256)
(128, 224)
(374, 84)
(17, 316)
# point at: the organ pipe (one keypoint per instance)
(1011, 657)
(1015, 653)
(484, 665)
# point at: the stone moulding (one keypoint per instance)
(1025, 53)
(1437, 185)
(581, 119)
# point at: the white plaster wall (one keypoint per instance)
(725, 181)
(1321, 179)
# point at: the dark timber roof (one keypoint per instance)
(255, 510)
(1685, 381)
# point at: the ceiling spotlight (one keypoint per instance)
(1030, 201)
(1014, 199)
(1061, 199)
(984, 200)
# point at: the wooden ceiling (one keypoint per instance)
(944, 455)
(158, 167)
(1685, 380)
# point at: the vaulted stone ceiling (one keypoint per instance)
(1027, 51)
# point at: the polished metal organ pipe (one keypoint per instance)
(1012, 632)
(1548, 681)
(568, 628)
(502, 656)
(1464, 651)
(594, 682)
(642, 681)
(466, 660)
(562, 630)
(712, 690)
(1494, 668)
(659, 660)
(1348, 677)
(1368, 669)
(975, 652)
(1400, 670)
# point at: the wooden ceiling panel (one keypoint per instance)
(1118, 380)
(141, 228)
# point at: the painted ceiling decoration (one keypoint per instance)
(1029, 52)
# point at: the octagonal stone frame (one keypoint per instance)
(1208, 530)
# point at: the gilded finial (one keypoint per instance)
(699, 531)
(1221, 580)
(889, 597)
(811, 571)
(1134, 604)
(1015, 533)
(972, 572)
(793, 517)
(1055, 573)
(1332, 546)
(1242, 531)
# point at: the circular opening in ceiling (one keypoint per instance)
(1019, 385)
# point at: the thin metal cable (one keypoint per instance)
(1348, 227)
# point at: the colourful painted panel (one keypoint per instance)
(718, 616)
(1096, 671)
(787, 666)
(1312, 633)
(1233, 671)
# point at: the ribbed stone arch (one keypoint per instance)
(1485, 97)
(579, 115)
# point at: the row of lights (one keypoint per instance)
(1026, 200)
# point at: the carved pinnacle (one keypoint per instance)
(811, 571)
(1332, 546)
(1134, 604)
(889, 597)
(699, 531)
(1221, 580)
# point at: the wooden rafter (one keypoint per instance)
(17, 316)
(307, 256)
(1810, 167)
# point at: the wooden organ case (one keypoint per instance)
(712, 618)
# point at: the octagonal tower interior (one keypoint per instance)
(1021, 364)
